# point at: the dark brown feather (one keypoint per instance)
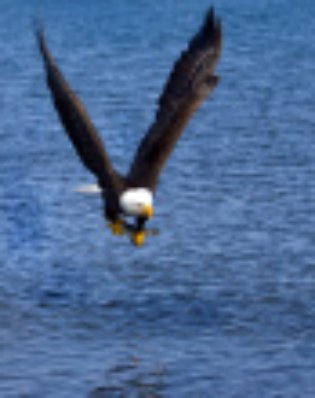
(77, 123)
(189, 84)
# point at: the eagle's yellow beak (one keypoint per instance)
(138, 238)
(147, 211)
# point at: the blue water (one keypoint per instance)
(222, 302)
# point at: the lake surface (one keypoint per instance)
(222, 302)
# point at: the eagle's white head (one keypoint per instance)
(137, 202)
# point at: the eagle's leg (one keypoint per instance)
(116, 226)
(139, 234)
(114, 223)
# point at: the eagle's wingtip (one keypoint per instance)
(37, 28)
(212, 21)
(40, 36)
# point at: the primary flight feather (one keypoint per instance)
(189, 84)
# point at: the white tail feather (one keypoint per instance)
(88, 189)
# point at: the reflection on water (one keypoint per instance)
(220, 303)
(132, 382)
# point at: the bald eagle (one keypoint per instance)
(189, 84)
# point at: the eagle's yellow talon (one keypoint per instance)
(117, 227)
(138, 238)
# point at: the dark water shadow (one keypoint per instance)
(128, 380)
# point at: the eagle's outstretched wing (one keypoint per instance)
(190, 82)
(76, 122)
